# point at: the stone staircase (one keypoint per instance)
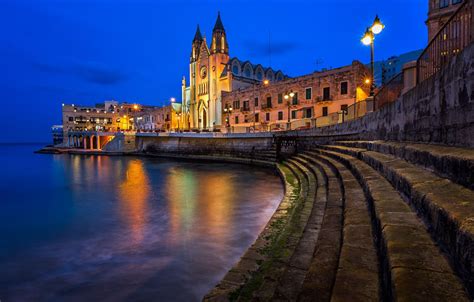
(368, 221)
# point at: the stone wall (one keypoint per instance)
(439, 110)
(236, 145)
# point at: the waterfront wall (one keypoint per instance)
(439, 110)
(204, 145)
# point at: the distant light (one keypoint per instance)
(367, 81)
(135, 107)
(266, 82)
(63, 104)
(292, 94)
(173, 100)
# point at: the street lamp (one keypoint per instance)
(265, 83)
(287, 97)
(179, 117)
(368, 39)
(228, 110)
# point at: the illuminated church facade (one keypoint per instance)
(211, 72)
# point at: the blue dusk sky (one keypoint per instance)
(85, 52)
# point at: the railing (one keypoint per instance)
(390, 92)
(453, 37)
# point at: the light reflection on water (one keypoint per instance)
(124, 229)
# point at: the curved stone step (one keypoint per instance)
(448, 208)
(319, 280)
(239, 281)
(292, 279)
(282, 237)
(454, 163)
(412, 266)
(282, 259)
(357, 277)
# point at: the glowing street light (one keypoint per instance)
(287, 97)
(378, 26)
(368, 40)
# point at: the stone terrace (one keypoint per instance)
(380, 208)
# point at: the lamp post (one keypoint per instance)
(368, 39)
(287, 97)
(265, 83)
(179, 117)
(228, 111)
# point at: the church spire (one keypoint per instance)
(197, 36)
(218, 25)
(197, 41)
(219, 38)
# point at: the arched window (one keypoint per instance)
(235, 69)
(259, 75)
(270, 76)
(247, 71)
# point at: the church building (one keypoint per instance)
(212, 71)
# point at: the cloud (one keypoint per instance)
(91, 72)
(274, 48)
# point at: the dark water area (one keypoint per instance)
(96, 228)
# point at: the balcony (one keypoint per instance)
(324, 98)
(267, 106)
(245, 109)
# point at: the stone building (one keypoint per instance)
(152, 118)
(439, 12)
(212, 71)
(318, 94)
(108, 117)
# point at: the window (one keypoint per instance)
(457, 1)
(248, 72)
(269, 102)
(267, 116)
(325, 111)
(259, 76)
(246, 105)
(71, 119)
(293, 114)
(343, 107)
(256, 117)
(236, 104)
(308, 112)
(344, 88)
(236, 119)
(256, 102)
(309, 93)
(295, 99)
(326, 94)
(443, 3)
(280, 98)
(280, 115)
(235, 69)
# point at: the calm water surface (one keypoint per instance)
(76, 228)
